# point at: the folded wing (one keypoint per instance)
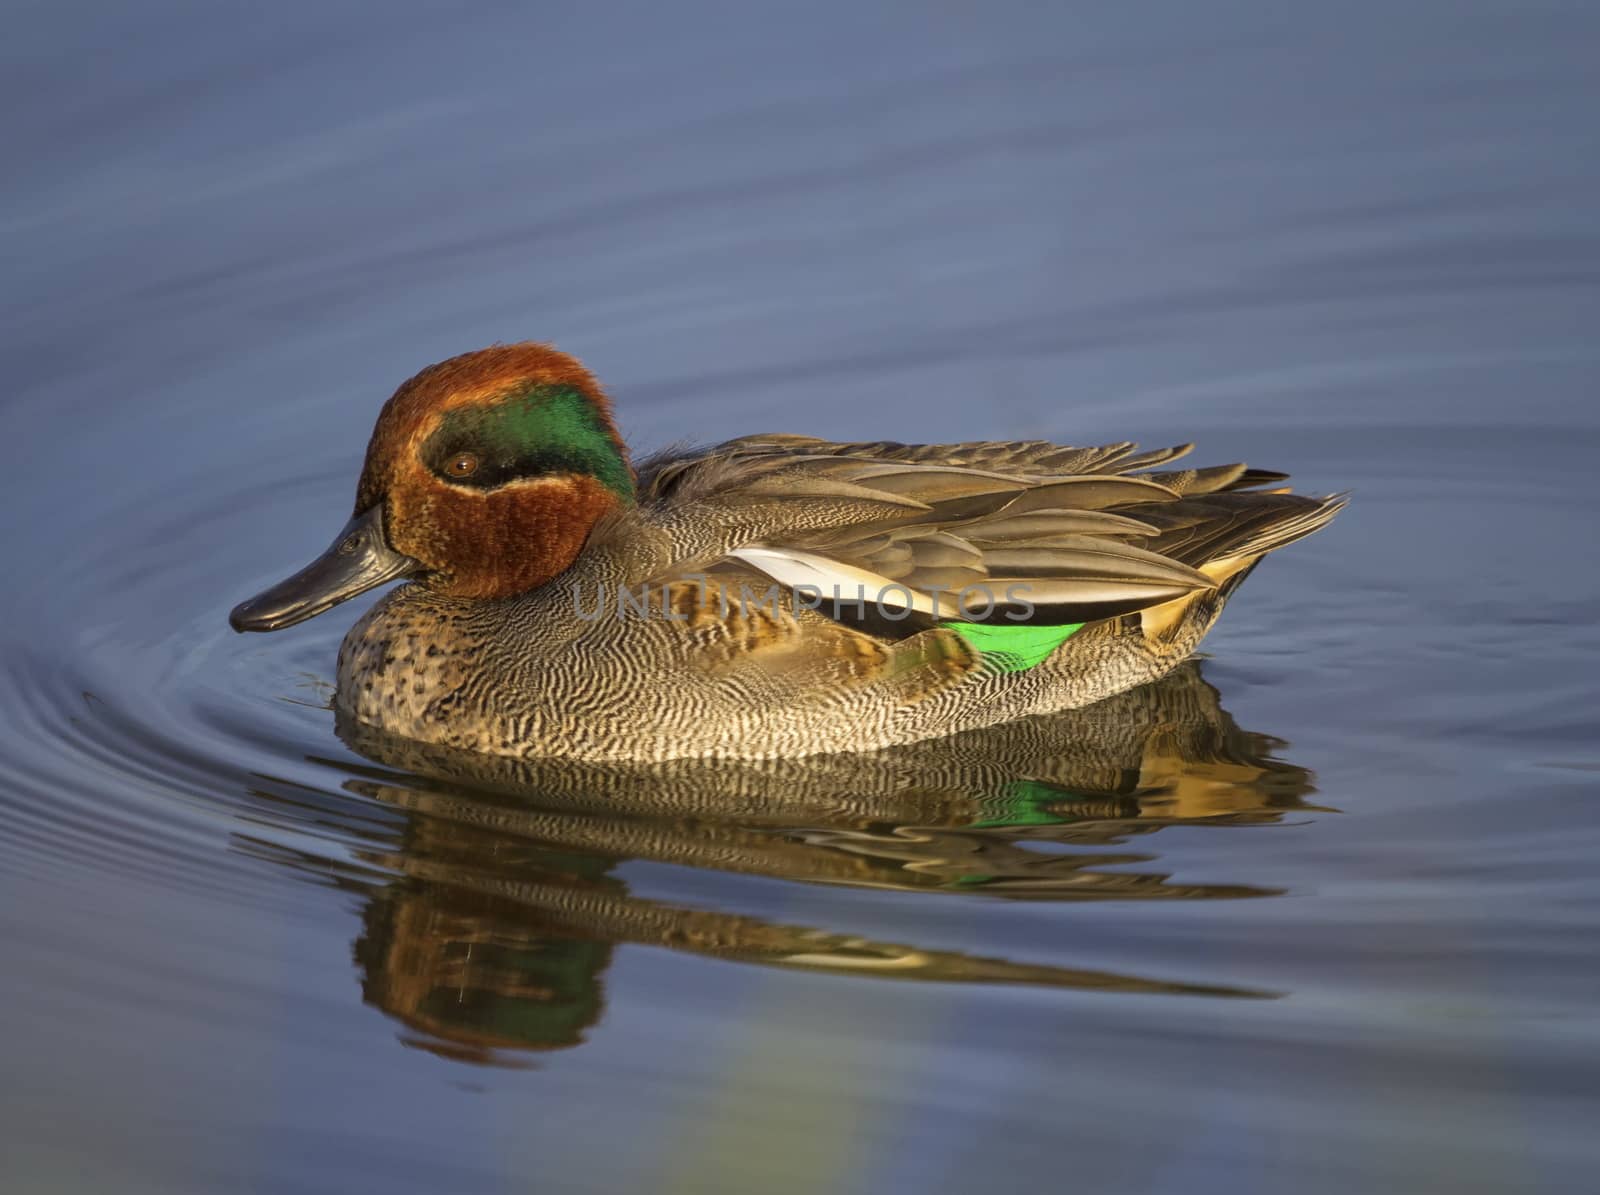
(997, 532)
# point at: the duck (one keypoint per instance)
(774, 596)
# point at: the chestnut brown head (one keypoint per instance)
(484, 477)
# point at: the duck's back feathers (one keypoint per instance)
(1033, 532)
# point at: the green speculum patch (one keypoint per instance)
(1012, 647)
(542, 431)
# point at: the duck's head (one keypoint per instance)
(483, 479)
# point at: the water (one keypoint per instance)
(1319, 917)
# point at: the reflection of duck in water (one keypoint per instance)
(472, 972)
(505, 910)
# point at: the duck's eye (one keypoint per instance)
(463, 464)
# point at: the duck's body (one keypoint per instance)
(568, 606)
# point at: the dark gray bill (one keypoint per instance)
(359, 559)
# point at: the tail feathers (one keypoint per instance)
(1316, 514)
(1230, 525)
(1227, 551)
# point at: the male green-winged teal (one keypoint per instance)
(773, 596)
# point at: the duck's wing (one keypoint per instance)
(1020, 533)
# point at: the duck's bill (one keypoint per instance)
(358, 560)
